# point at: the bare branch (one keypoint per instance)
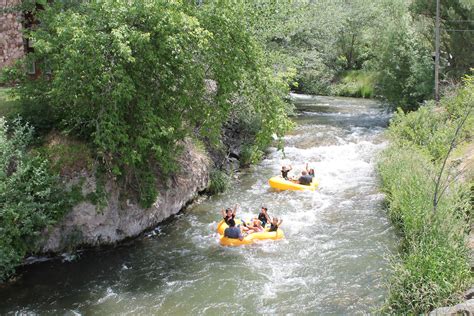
(437, 195)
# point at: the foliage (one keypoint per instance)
(8, 105)
(457, 46)
(430, 128)
(129, 77)
(459, 102)
(30, 196)
(250, 154)
(321, 39)
(433, 268)
(67, 156)
(402, 58)
(426, 128)
(325, 40)
(355, 83)
(219, 182)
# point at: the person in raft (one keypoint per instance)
(263, 216)
(305, 178)
(285, 170)
(309, 171)
(275, 224)
(229, 214)
(255, 227)
(232, 231)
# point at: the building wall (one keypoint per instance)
(11, 39)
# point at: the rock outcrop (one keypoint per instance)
(465, 308)
(90, 224)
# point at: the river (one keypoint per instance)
(333, 260)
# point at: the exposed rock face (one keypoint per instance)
(11, 39)
(88, 224)
(465, 308)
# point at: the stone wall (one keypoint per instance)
(11, 39)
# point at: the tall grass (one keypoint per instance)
(355, 83)
(219, 182)
(432, 269)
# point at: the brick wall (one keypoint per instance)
(11, 39)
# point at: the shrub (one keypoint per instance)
(30, 196)
(219, 182)
(129, 78)
(426, 128)
(355, 84)
(250, 154)
(8, 105)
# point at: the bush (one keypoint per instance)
(219, 182)
(30, 196)
(426, 128)
(359, 84)
(250, 154)
(8, 105)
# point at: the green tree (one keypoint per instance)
(457, 25)
(403, 58)
(131, 79)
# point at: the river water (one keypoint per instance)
(333, 260)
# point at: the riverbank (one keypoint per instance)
(428, 204)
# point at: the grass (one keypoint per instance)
(433, 267)
(219, 182)
(8, 105)
(67, 156)
(355, 83)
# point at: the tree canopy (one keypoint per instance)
(131, 78)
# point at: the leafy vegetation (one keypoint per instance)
(8, 105)
(130, 78)
(31, 197)
(391, 40)
(219, 182)
(433, 268)
(355, 83)
(130, 81)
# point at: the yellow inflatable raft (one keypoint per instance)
(251, 238)
(282, 184)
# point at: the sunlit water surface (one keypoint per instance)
(333, 260)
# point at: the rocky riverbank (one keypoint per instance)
(89, 224)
